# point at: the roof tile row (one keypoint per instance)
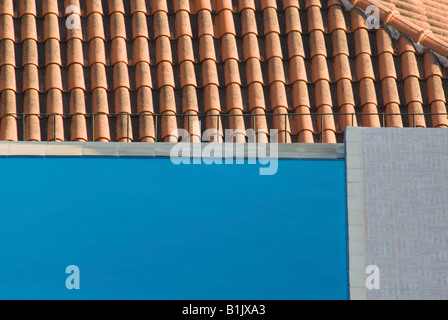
(213, 58)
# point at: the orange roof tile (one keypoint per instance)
(140, 70)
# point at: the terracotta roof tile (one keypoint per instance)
(139, 70)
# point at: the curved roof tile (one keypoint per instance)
(140, 70)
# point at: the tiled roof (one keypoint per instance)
(209, 60)
(424, 21)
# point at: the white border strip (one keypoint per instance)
(137, 149)
(355, 212)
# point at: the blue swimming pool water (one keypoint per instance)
(147, 229)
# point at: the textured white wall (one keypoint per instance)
(403, 221)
